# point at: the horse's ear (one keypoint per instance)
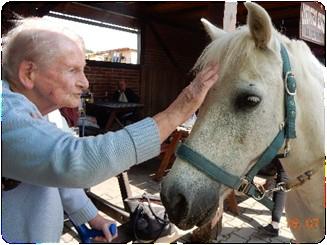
(259, 23)
(213, 31)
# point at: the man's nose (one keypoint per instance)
(83, 82)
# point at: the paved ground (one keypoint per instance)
(236, 229)
(244, 228)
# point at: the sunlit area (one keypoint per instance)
(103, 41)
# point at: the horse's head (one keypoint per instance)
(239, 119)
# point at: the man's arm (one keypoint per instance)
(77, 205)
(131, 96)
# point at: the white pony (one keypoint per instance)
(241, 117)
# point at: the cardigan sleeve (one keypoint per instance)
(36, 152)
(77, 205)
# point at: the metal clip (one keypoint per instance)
(287, 147)
(282, 187)
(260, 197)
(289, 73)
(262, 190)
(281, 125)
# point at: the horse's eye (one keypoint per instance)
(247, 101)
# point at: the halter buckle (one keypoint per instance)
(289, 74)
(244, 186)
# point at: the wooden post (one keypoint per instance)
(230, 12)
(168, 154)
(206, 234)
(125, 189)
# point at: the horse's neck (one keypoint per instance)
(308, 147)
(305, 205)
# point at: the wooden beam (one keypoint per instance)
(108, 208)
(125, 189)
(94, 13)
(169, 22)
(175, 7)
(117, 15)
(188, 16)
(30, 9)
(278, 4)
(91, 22)
(10, 10)
(46, 8)
(270, 6)
(165, 48)
(125, 9)
(135, 11)
(283, 12)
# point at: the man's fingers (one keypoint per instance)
(107, 233)
(214, 78)
(108, 236)
(209, 72)
(207, 81)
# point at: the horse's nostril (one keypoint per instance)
(179, 208)
(176, 200)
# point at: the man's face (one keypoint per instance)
(61, 82)
(122, 85)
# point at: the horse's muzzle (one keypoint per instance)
(188, 204)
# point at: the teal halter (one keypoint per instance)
(245, 184)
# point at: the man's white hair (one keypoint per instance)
(33, 39)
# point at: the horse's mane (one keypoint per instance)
(304, 57)
(236, 49)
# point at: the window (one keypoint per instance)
(103, 41)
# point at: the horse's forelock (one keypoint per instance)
(233, 49)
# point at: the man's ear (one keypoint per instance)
(26, 74)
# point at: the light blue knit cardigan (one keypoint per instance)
(52, 164)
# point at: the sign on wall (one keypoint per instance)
(312, 22)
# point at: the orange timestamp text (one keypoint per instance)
(308, 223)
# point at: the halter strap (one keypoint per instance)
(208, 167)
(245, 184)
(290, 89)
(218, 174)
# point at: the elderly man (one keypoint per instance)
(124, 94)
(43, 70)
